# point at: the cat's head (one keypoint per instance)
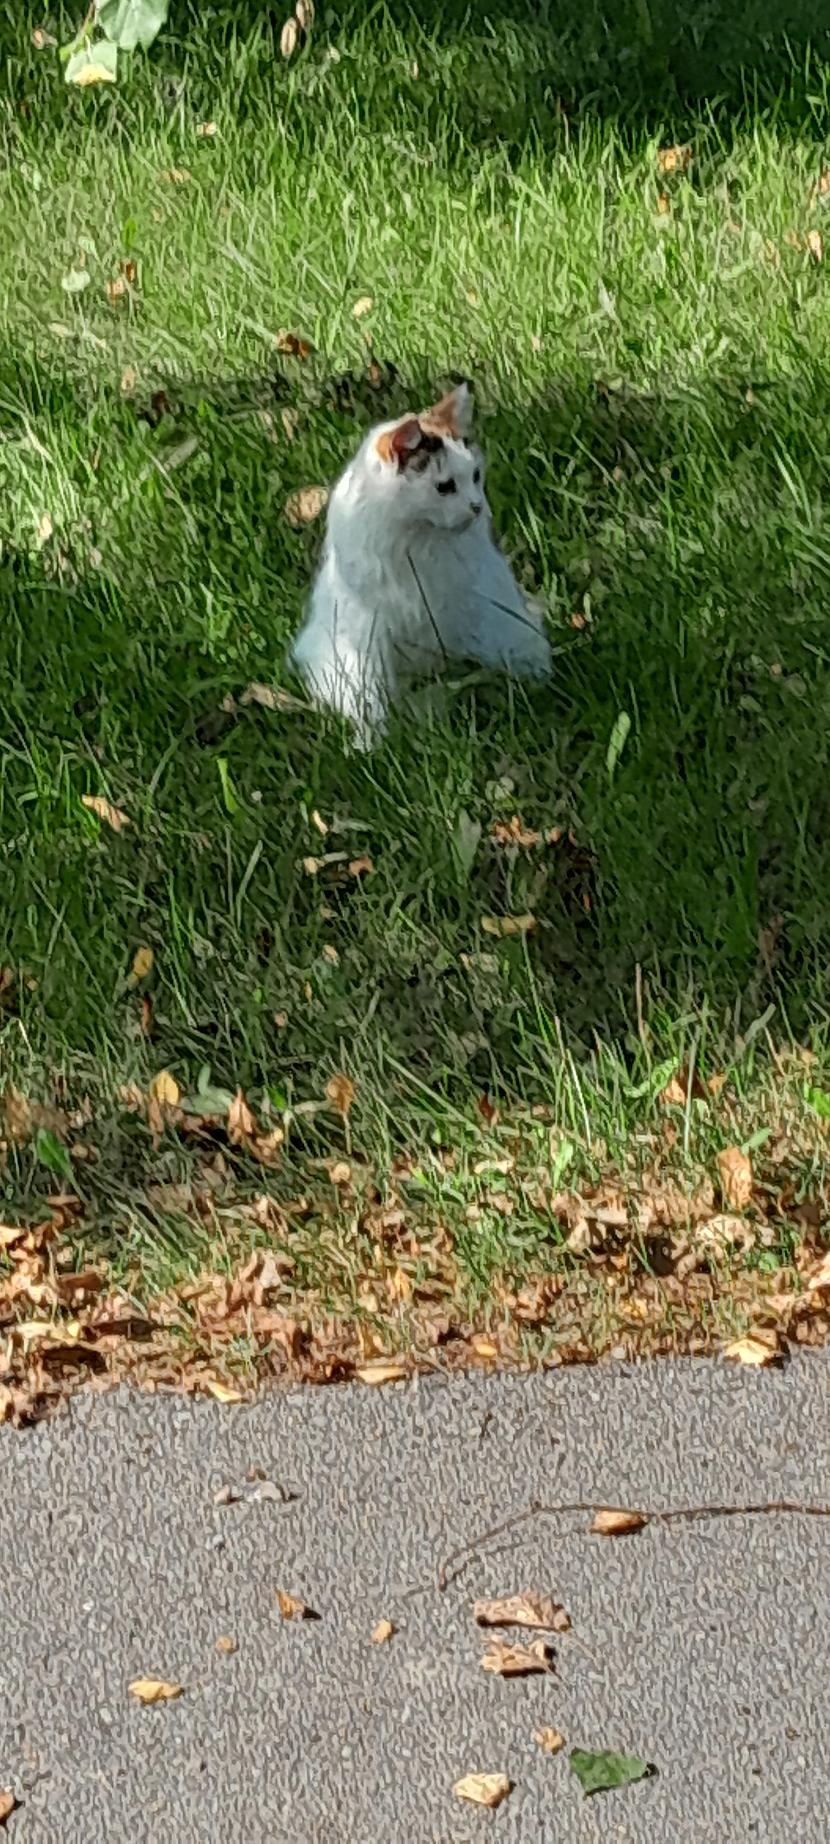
(433, 473)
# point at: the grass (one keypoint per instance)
(650, 354)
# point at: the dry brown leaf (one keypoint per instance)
(815, 245)
(756, 1350)
(164, 1090)
(363, 306)
(549, 1739)
(154, 1690)
(129, 380)
(360, 867)
(45, 528)
(617, 1523)
(536, 1610)
(261, 694)
(674, 1094)
(515, 1661)
(292, 344)
(340, 1092)
(735, 1173)
(304, 14)
(340, 1172)
(818, 1278)
(7, 1798)
(142, 963)
(381, 1372)
(112, 816)
(715, 1084)
(177, 176)
(222, 1392)
(483, 1347)
(305, 505)
(483, 1789)
(225, 1643)
(508, 925)
(722, 1234)
(383, 1632)
(241, 1123)
(10, 1233)
(205, 131)
(675, 159)
(319, 823)
(663, 204)
(292, 1608)
(289, 38)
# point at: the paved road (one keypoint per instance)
(702, 1647)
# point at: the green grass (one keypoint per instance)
(653, 392)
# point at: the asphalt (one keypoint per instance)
(701, 1646)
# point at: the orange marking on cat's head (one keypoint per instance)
(395, 444)
(452, 416)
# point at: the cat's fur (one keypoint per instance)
(411, 576)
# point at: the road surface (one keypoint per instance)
(700, 1646)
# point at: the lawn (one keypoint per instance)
(617, 233)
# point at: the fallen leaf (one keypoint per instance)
(11, 1233)
(516, 1661)
(129, 379)
(241, 1123)
(383, 1632)
(225, 1495)
(304, 14)
(381, 1372)
(815, 245)
(7, 1798)
(340, 1092)
(289, 38)
(360, 867)
(205, 131)
(320, 824)
(735, 1173)
(722, 1234)
(116, 290)
(311, 866)
(617, 1523)
(535, 1610)
(164, 1090)
(484, 1348)
(483, 1789)
(304, 505)
(755, 1350)
(292, 1608)
(674, 1094)
(290, 420)
(292, 344)
(154, 1690)
(819, 1277)
(142, 963)
(177, 176)
(45, 528)
(222, 1392)
(17, 1114)
(363, 306)
(104, 810)
(225, 1643)
(340, 1172)
(597, 1772)
(261, 694)
(508, 925)
(549, 1739)
(42, 41)
(663, 204)
(675, 159)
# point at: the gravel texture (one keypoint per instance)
(701, 1646)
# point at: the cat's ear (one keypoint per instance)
(453, 416)
(398, 444)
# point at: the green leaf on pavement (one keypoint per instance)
(597, 1772)
(92, 64)
(53, 1154)
(132, 22)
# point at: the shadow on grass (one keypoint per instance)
(689, 535)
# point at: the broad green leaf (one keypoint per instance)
(597, 1772)
(53, 1154)
(92, 64)
(228, 793)
(819, 1099)
(132, 22)
(617, 741)
(75, 281)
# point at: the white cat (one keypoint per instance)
(411, 576)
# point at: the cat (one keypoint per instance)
(411, 576)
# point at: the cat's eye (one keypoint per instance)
(445, 486)
(476, 476)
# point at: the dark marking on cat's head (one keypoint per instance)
(408, 445)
